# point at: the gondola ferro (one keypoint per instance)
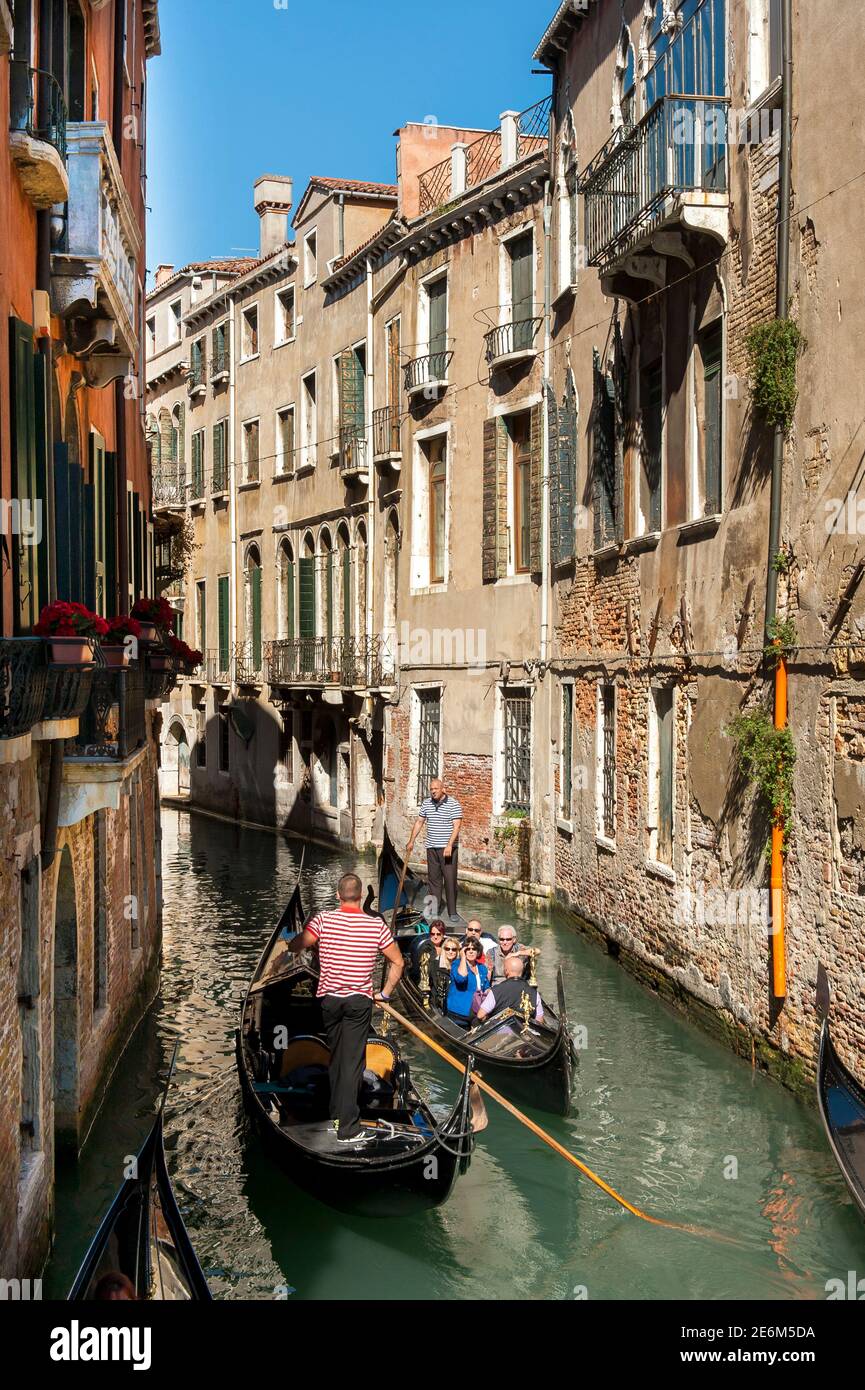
(841, 1099)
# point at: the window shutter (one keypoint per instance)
(346, 592)
(711, 352)
(23, 415)
(307, 596)
(62, 510)
(76, 534)
(40, 395)
(222, 603)
(289, 580)
(563, 475)
(536, 439)
(88, 507)
(110, 534)
(604, 460)
(328, 595)
(490, 503)
(256, 617)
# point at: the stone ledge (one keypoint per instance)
(94, 784)
(15, 750)
(41, 170)
(52, 729)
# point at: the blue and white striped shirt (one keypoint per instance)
(440, 820)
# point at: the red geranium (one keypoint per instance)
(185, 654)
(155, 610)
(69, 620)
(121, 628)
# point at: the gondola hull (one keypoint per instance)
(841, 1100)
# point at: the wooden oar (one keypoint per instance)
(399, 890)
(547, 1138)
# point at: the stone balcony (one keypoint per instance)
(97, 246)
(37, 134)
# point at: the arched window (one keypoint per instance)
(325, 550)
(438, 475)
(361, 576)
(345, 597)
(307, 614)
(624, 111)
(285, 567)
(391, 592)
(253, 607)
(177, 421)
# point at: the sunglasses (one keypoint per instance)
(505, 939)
(450, 950)
(474, 949)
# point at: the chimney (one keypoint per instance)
(163, 272)
(272, 199)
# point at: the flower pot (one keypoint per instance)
(115, 653)
(149, 632)
(159, 661)
(70, 651)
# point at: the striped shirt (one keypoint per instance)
(440, 820)
(348, 945)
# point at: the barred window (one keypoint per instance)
(429, 742)
(607, 748)
(567, 745)
(517, 722)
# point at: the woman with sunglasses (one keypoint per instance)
(468, 978)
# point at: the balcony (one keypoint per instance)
(219, 479)
(347, 663)
(67, 694)
(196, 380)
(23, 677)
(169, 489)
(512, 343)
(522, 136)
(352, 452)
(97, 246)
(218, 670)
(114, 721)
(219, 369)
(668, 171)
(37, 134)
(248, 664)
(427, 377)
(387, 445)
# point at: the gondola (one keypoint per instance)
(143, 1236)
(527, 1060)
(410, 1163)
(841, 1099)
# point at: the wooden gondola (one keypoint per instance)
(841, 1099)
(143, 1236)
(282, 1057)
(526, 1060)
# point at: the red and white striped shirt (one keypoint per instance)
(348, 945)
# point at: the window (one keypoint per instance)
(651, 447)
(220, 349)
(351, 381)
(306, 597)
(605, 762)
(285, 440)
(224, 762)
(434, 315)
(151, 335)
(100, 916)
(566, 780)
(198, 363)
(310, 257)
(521, 275)
(428, 705)
(517, 750)
(308, 422)
(286, 747)
(222, 595)
(437, 464)
(253, 609)
(285, 315)
(250, 457)
(606, 473)
(775, 41)
(249, 333)
(568, 215)
(661, 763)
(220, 456)
(710, 396)
(520, 491)
(201, 737)
(285, 593)
(197, 491)
(175, 321)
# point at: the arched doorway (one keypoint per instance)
(66, 1008)
(177, 757)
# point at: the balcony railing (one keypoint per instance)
(219, 480)
(37, 105)
(67, 691)
(427, 373)
(196, 486)
(219, 365)
(23, 676)
(679, 147)
(114, 722)
(248, 663)
(352, 663)
(520, 135)
(511, 340)
(352, 450)
(386, 432)
(169, 489)
(196, 377)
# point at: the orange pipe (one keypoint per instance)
(779, 953)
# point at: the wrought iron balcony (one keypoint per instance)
(114, 721)
(352, 451)
(37, 121)
(219, 479)
(94, 265)
(386, 433)
(196, 486)
(23, 677)
(248, 663)
(521, 135)
(169, 489)
(512, 342)
(196, 378)
(67, 691)
(349, 663)
(219, 367)
(644, 178)
(427, 375)
(219, 668)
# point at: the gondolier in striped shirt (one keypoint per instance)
(348, 943)
(441, 816)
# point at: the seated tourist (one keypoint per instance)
(510, 992)
(508, 946)
(437, 934)
(467, 978)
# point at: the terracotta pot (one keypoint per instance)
(149, 633)
(159, 661)
(71, 651)
(115, 653)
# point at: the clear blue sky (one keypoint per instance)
(301, 87)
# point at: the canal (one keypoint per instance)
(661, 1112)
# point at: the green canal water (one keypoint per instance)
(659, 1111)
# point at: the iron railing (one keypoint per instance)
(516, 336)
(219, 480)
(219, 363)
(169, 488)
(23, 676)
(67, 691)
(37, 105)
(386, 432)
(484, 157)
(352, 449)
(248, 663)
(196, 486)
(114, 721)
(678, 147)
(533, 128)
(353, 663)
(429, 370)
(196, 376)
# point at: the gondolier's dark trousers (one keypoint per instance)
(442, 872)
(347, 1024)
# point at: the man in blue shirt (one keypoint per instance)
(441, 816)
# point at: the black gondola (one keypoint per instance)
(842, 1102)
(282, 1058)
(143, 1236)
(528, 1060)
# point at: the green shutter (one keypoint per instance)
(40, 378)
(23, 422)
(88, 511)
(62, 510)
(563, 474)
(522, 290)
(494, 509)
(289, 580)
(346, 592)
(307, 596)
(256, 617)
(438, 319)
(136, 531)
(328, 595)
(536, 444)
(110, 534)
(223, 623)
(202, 617)
(76, 534)
(712, 384)
(603, 457)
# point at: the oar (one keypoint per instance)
(399, 890)
(548, 1138)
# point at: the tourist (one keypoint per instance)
(508, 946)
(468, 978)
(510, 993)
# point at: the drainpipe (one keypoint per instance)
(232, 488)
(341, 223)
(52, 804)
(779, 962)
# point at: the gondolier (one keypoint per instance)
(441, 816)
(348, 943)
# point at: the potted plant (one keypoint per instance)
(155, 615)
(120, 643)
(70, 630)
(183, 654)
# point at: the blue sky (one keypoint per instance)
(301, 87)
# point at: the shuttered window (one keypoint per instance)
(437, 508)
(661, 762)
(307, 596)
(198, 465)
(651, 450)
(522, 257)
(711, 342)
(437, 295)
(563, 474)
(521, 491)
(220, 456)
(567, 791)
(201, 615)
(223, 615)
(23, 422)
(347, 623)
(605, 488)
(255, 586)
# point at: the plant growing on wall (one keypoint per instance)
(767, 757)
(772, 352)
(781, 640)
(507, 834)
(183, 547)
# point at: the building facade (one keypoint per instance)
(79, 823)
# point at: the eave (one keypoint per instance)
(354, 264)
(567, 19)
(152, 36)
(521, 182)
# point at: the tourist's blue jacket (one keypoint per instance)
(461, 991)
